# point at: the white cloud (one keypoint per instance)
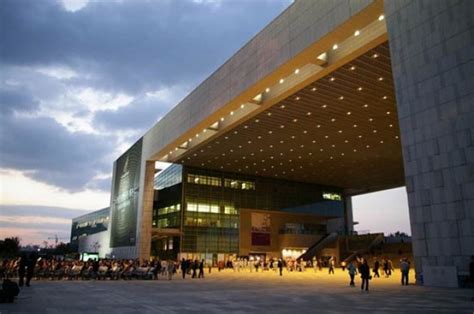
(74, 5)
(58, 72)
(14, 185)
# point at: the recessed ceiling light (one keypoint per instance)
(242, 106)
(308, 113)
(381, 17)
(231, 113)
(326, 136)
(197, 135)
(235, 132)
(357, 33)
(375, 131)
(297, 98)
(334, 47)
(222, 119)
(250, 142)
(366, 105)
(332, 79)
(293, 137)
(282, 126)
(281, 142)
(269, 114)
(240, 146)
(349, 113)
(282, 81)
(355, 125)
(257, 121)
(291, 149)
(314, 141)
(368, 146)
(267, 89)
(380, 78)
(384, 97)
(282, 106)
(341, 98)
(314, 89)
(226, 137)
(381, 142)
(396, 137)
(333, 145)
(246, 126)
(346, 141)
(295, 120)
(375, 55)
(371, 119)
(355, 150)
(391, 125)
(297, 71)
(360, 136)
(318, 126)
(352, 68)
(333, 120)
(310, 154)
(270, 132)
(305, 131)
(359, 89)
(342, 154)
(324, 106)
(331, 157)
(340, 131)
(271, 146)
(388, 112)
(301, 145)
(321, 150)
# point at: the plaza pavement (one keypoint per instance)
(240, 292)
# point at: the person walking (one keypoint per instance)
(405, 269)
(352, 272)
(364, 275)
(201, 269)
(376, 268)
(195, 267)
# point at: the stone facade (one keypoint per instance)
(432, 51)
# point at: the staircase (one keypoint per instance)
(318, 246)
(378, 239)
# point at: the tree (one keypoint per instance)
(10, 246)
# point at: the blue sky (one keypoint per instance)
(82, 80)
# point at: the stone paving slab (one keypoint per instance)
(244, 292)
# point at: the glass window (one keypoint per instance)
(239, 184)
(332, 196)
(204, 180)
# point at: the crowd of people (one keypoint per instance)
(27, 267)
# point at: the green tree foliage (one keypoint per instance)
(9, 246)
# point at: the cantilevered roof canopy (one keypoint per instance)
(340, 130)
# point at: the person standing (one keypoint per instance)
(22, 269)
(170, 269)
(364, 275)
(195, 267)
(352, 272)
(331, 265)
(405, 269)
(201, 269)
(31, 264)
(184, 268)
(280, 266)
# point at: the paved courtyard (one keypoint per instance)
(244, 292)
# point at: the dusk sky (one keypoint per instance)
(80, 81)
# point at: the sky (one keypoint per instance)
(80, 81)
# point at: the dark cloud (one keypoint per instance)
(43, 211)
(16, 100)
(131, 45)
(48, 152)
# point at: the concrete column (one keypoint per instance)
(348, 216)
(431, 46)
(145, 225)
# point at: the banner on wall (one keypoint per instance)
(261, 229)
(124, 207)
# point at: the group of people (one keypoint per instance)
(361, 266)
(113, 269)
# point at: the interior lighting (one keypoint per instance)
(308, 113)
(332, 79)
(359, 89)
(375, 131)
(231, 113)
(355, 125)
(391, 125)
(335, 46)
(295, 120)
(282, 126)
(305, 131)
(388, 112)
(282, 81)
(357, 33)
(375, 56)
(381, 142)
(242, 106)
(365, 106)
(340, 131)
(270, 132)
(381, 17)
(297, 71)
(246, 126)
(318, 126)
(267, 90)
(269, 114)
(380, 78)
(297, 98)
(371, 119)
(333, 120)
(384, 97)
(324, 106)
(314, 89)
(341, 98)
(197, 135)
(257, 121)
(349, 113)
(282, 106)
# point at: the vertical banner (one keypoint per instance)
(261, 231)
(124, 207)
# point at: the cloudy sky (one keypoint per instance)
(81, 80)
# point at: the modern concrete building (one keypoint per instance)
(360, 95)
